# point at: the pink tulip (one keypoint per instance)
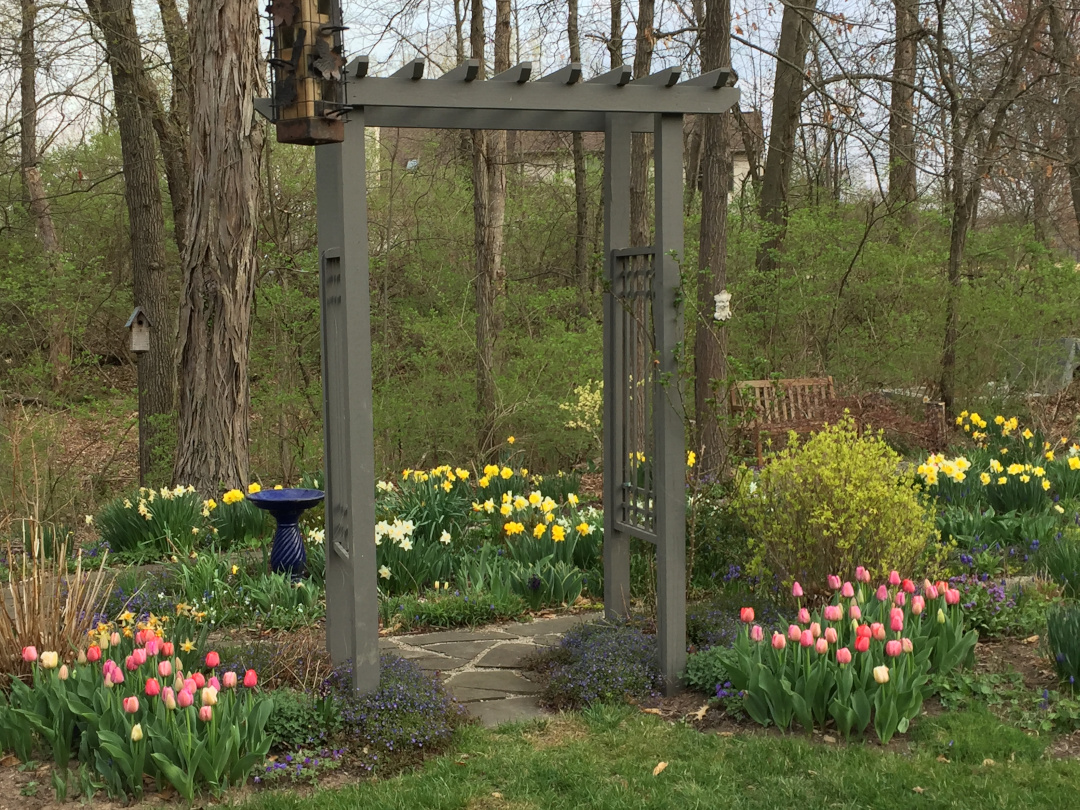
(843, 656)
(855, 612)
(806, 638)
(822, 646)
(778, 641)
(168, 697)
(167, 649)
(793, 632)
(900, 599)
(130, 663)
(862, 575)
(93, 653)
(153, 647)
(29, 654)
(131, 704)
(140, 637)
(153, 688)
(877, 630)
(117, 675)
(815, 630)
(184, 698)
(63, 673)
(918, 605)
(941, 586)
(796, 590)
(804, 616)
(830, 635)
(214, 682)
(882, 593)
(206, 713)
(931, 592)
(212, 659)
(893, 648)
(230, 680)
(834, 582)
(926, 586)
(139, 654)
(114, 639)
(907, 645)
(200, 681)
(756, 633)
(190, 684)
(894, 578)
(833, 613)
(952, 596)
(847, 591)
(896, 620)
(250, 679)
(164, 668)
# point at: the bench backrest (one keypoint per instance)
(778, 402)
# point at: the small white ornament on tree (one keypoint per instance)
(723, 306)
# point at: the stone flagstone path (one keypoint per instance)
(482, 667)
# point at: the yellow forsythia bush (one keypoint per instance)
(836, 502)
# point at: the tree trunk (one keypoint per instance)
(787, 100)
(902, 187)
(172, 127)
(710, 349)
(219, 258)
(489, 208)
(581, 201)
(1065, 54)
(156, 367)
(34, 189)
(615, 40)
(641, 143)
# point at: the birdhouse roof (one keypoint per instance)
(135, 313)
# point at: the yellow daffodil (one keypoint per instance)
(1049, 455)
(558, 534)
(188, 645)
(535, 498)
(484, 481)
(232, 496)
(510, 440)
(539, 529)
(572, 499)
(1002, 479)
(691, 459)
(1027, 434)
(985, 478)
(1074, 462)
(446, 485)
(506, 473)
(254, 488)
(513, 528)
(584, 528)
(506, 510)
(1025, 478)
(235, 570)
(384, 572)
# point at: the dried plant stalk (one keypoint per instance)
(46, 607)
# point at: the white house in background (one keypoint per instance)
(544, 156)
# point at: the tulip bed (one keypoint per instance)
(866, 656)
(133, 707)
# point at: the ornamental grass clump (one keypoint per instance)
(837, 501)
(866, 656)
(1063, 634)
(602, 662)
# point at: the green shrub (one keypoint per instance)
(1060, 558)
(1063, 634)
(299, 719)
(457, 609)
(836, 502)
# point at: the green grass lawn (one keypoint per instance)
(604, 759)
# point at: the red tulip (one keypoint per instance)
(863, 631)
(153, 688)
(130, 664)
(200, 681)
(93, 653)
(250, 679)
(212, 659)
(908, 586)
(746, 614)
(862, 644)
(167, 649)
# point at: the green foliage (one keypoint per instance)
(838, 501)
(1060, 559)
(299, 719)
(150, 524)
(1063, 634)
(467, 608)
(705, 670)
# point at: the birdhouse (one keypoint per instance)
(308, 81)
(139, 327)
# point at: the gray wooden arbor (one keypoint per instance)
(644, 444)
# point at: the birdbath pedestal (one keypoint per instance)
(287, 556)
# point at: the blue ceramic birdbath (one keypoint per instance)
(287, 556)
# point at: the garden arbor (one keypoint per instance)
(644, 438)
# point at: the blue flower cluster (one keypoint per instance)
(600, 661)
(409, 712)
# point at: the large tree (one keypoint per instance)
(902, 186)
(219, 260)
(134, 98)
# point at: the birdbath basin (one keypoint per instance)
(287, 556)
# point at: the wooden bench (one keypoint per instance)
(781, 405)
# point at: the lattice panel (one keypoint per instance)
(635, 339)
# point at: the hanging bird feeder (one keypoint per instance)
(308, 71)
